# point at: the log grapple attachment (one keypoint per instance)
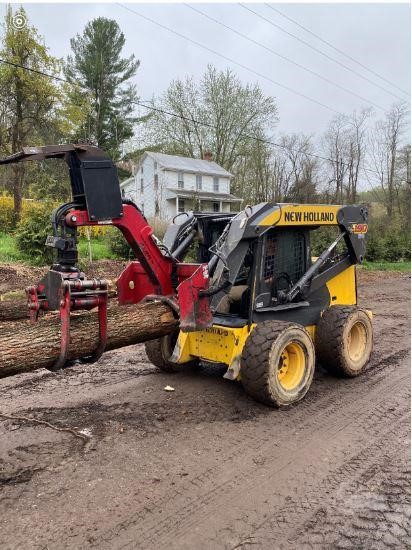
(155, 275)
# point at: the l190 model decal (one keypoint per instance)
(359, 228)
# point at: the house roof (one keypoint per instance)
(186, 164)
(202, 195)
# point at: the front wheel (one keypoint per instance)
(278, 363)
(159, 352)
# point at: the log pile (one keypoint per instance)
(25, 346)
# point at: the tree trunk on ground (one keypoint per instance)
(11, 310)
(16, 308)
(25, 346)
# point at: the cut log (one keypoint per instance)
(11, 310)
(25, 346)
(13, 305)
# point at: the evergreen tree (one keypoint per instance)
(97, 66)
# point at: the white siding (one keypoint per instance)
(128, 190)
(190, 182)
(169, 179)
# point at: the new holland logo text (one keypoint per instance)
(315, 217)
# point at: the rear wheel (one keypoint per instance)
(159, 352)
(344, 340)
(278, 362)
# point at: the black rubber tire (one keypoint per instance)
(160, 350)
(261, 359)
(332, 340)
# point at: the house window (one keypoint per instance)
(216, 207)
(180, 180)
(181, 205)
(156, 182)
(141, 185)
(216, 184)
(198, 182)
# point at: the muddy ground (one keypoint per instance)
(205, 467)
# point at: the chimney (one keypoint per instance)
(207, 155)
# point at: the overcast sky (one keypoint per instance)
(377, 35)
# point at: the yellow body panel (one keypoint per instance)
(220, 344)
(342, 288)
(217, 344)
(302, 214)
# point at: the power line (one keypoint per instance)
(256, 138)
(335, 48)
(182, 117)
(307, 69)
(256, 73)
(317, 50)
(17, 66)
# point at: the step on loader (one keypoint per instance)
(254, 300)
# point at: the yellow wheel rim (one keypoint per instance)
(291, 368)
(357, 338)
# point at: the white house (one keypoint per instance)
(164, 185)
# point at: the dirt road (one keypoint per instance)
(205, 467)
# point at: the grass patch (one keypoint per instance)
(9, 251)
(100, 250)
(387, 266)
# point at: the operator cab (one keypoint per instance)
(272, 265)
(284, 258)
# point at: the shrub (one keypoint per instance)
(321, 238)
(32, 231)
(7, 215)
(396, 247)
(95, 231)
(117, 244)
(388, 241)
(374, 248)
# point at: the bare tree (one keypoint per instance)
(355, 151)
(334, 145)
(300, 168)
(384, 144)
(403, 183)
(344, 146)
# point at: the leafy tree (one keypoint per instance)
(214, 115)
(97, 66)
(28, 100)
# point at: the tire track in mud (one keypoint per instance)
(272, 483)
(178, 526)
(326, 504)
(246, 446)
